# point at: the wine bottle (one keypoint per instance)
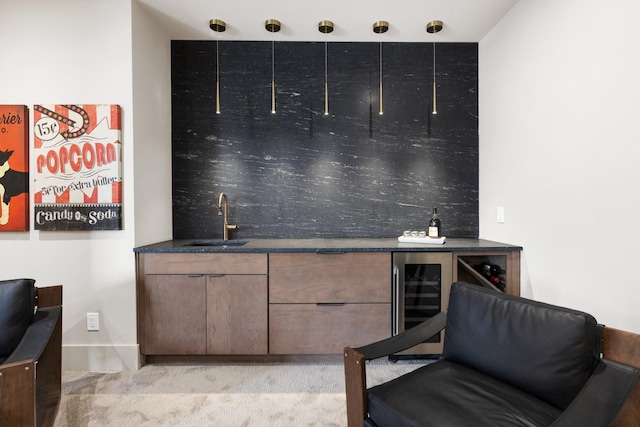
(434, 224)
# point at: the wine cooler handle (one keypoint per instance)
(395, 301)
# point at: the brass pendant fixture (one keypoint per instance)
(273, 26)
(326, 27)
(432, 28)
(218, 26)
(380, 27)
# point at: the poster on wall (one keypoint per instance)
(14, 168)
(78, 167)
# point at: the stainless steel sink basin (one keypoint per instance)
(216, 243)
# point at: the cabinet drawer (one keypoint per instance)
(326, 329)
(326, 278)
(210, 263)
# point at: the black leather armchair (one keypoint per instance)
(507, 361)
(30, 353)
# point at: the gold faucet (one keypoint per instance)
(222, 210)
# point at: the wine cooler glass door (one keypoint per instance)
(421, 290)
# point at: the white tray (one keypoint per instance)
(427, 240)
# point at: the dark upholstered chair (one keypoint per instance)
(507, 361)
(30, 353)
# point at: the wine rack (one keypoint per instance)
(509, 262)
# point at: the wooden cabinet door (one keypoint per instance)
(237, 314)
(175, 312)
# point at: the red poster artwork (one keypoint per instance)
(14, 168)
(78, 167)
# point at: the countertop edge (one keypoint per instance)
(328, 246)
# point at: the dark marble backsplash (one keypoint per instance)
(300, 174)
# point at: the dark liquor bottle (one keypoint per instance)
(434, 224)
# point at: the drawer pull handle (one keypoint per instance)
(330, 304)
(194, 275)
(216, 275)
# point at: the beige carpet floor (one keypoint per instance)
(286, 394)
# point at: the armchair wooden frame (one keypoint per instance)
(30, 389)
(618, 346)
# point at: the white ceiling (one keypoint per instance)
(464, 20)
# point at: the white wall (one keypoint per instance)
(152, 133)
(559, 130)
(80, 51)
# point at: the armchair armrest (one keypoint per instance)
(602, 398)
(406, 339)
(355, 360)
(38, 335)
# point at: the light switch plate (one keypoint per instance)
(93, 321)
(500, 214)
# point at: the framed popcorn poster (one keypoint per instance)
(14, 168)
(77, 154)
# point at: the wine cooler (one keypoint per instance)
(421, 285)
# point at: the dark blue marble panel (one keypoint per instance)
(299, 173)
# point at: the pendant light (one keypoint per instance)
(326, 27)
(273, 26)
(218, 26)
(435, 108)
(380, 27)
(432, 28)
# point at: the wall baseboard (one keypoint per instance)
(101, 358)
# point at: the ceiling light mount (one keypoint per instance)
(272, 25)
(325, 27)
(217, 25)
(434, 27)
(380, 27)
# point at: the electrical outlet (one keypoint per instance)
(93, 321)
(500, 214)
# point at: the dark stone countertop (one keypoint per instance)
(325, 245)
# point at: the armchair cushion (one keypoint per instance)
(547, 351)
(455, 395)
(17, 303)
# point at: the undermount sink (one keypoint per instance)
(216, 243)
